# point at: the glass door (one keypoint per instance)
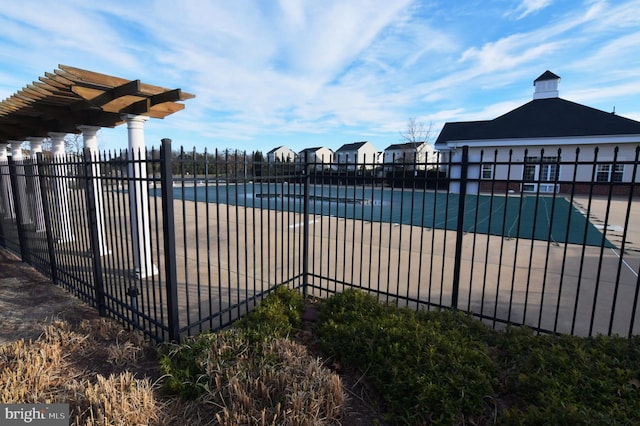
(537, 175)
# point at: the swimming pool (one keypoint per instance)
(512, 215)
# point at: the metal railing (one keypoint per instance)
(174, 243)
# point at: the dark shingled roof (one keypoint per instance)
(541, 118)
(310, 150)
(405, 145)
(351, 146)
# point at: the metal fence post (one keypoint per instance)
(93, 232)
(305, 228)
(3, 212)
(17, 204)
(464, 165)
(46, 214)
(3, 242)
(168, 226)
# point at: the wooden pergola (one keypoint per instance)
(69, 97)
(73, 100)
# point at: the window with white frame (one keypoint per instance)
(487, 171)
(546, 170)
(609, 173)
(549, 170)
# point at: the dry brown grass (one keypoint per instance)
(55, 368)
(35, 371)
(284, 385)
(275, 383)
(119, 399)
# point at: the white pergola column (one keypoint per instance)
(90, 139)
(18, 158)
(36, 148)
(61, 187)
(6, 198)
(139, 197)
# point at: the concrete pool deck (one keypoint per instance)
(520, 280)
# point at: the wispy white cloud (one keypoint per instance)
(303, 76)
(527, 7)
(567, 43)
(297, 69)
(507, 53)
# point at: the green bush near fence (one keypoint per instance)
(569, 380)
(449, 368)
(427, 367)
(277, 315)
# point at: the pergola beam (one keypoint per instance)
(170, 96)
(68, 97)
(126, 89)
(140, 107)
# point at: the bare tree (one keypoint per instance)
(416, 131)
(73, 143)
(418, 134)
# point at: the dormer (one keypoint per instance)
(546, 86)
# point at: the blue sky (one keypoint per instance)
(325, 73)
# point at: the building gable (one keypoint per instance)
(274, 150)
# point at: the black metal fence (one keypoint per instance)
(174, 243)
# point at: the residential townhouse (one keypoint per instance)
(356, 156)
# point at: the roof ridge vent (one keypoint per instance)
(546, 86)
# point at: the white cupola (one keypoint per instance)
(546, 86)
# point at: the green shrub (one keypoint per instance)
(570, 380)
(460, 322)
(277, 315)
(428, 367)
(351, 306)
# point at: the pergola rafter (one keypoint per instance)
(69, 97)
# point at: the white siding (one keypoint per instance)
(584, 172)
